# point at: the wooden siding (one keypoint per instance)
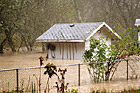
(67, 51)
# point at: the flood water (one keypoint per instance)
(118, 83)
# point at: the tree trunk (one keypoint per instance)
(31, 44)
(11, 44)
(107, 74)
(27, 46)
(9, 36)
(20, 45)
(2, 45)
(31, 47)
(1, 49)
(24, 40)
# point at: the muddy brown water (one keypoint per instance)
(27, 77)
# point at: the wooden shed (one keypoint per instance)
(69, 41)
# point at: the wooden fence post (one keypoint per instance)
(127, 69)
(17, 80)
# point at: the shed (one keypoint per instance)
(69, 41)
(137, 23)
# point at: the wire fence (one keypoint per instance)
(27, 79)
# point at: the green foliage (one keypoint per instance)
(14, 91)
(99, 91)
(127, 45)
(99, 48)
(8, 22)
(88, 55)
(100, 52)
(73, 91)
(97, 53)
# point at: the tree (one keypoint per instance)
(8, 23)
(22, 21)
(113, 12)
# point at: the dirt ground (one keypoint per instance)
(26, 77)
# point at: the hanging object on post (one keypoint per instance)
(51, 47)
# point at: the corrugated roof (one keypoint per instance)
(137, 23)
(74, 31)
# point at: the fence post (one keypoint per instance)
(17, 80)
(127, 69)
(78, 74)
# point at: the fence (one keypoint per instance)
(27, 79)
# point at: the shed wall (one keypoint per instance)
(139, 36)
(97, 36)
(67, 51)
(106, 39)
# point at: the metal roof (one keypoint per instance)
(75, 32)
(137, 23)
